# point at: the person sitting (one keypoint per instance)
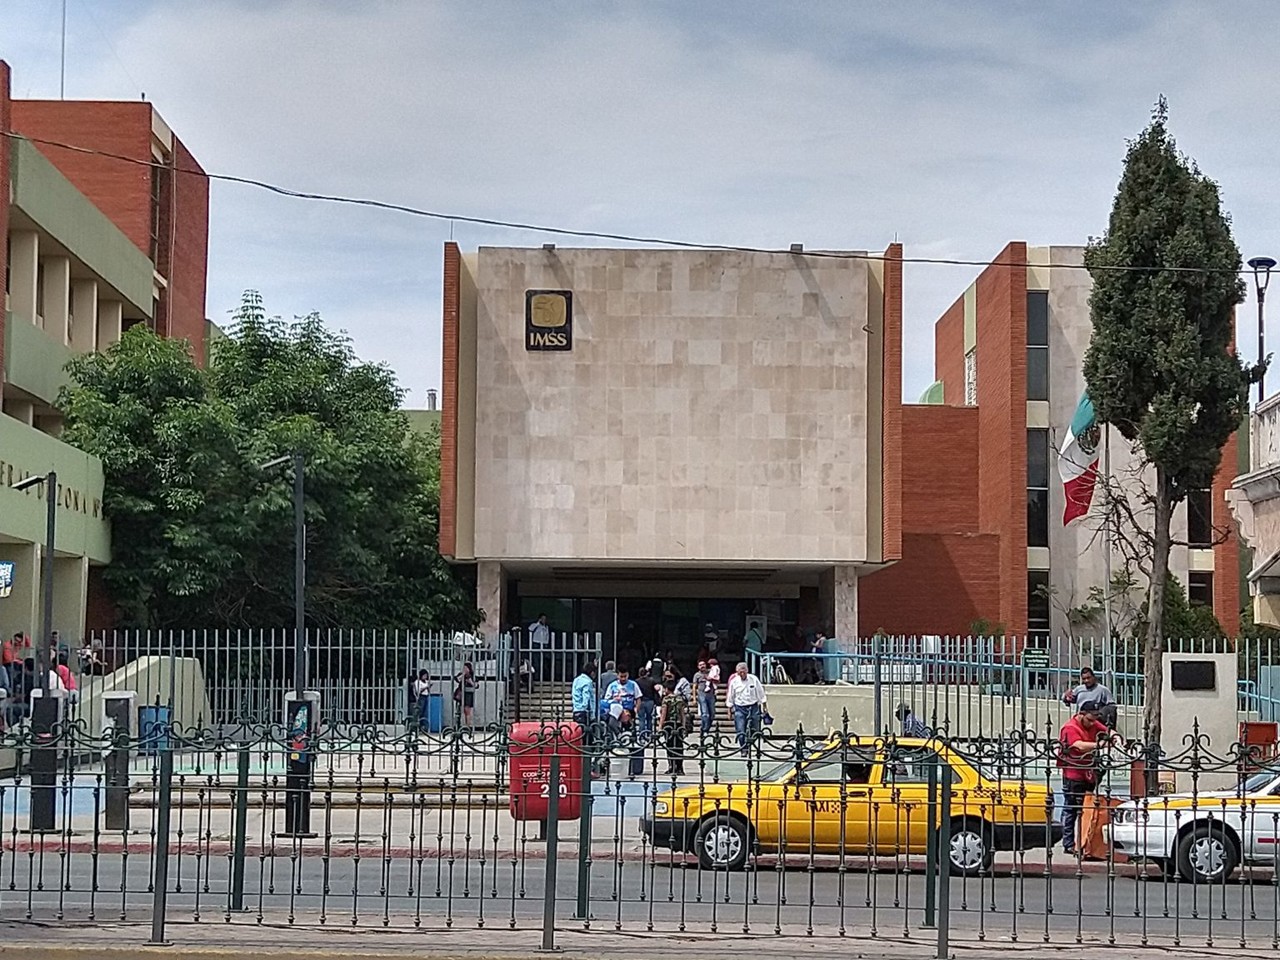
(912, 726)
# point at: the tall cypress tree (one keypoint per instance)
(1160, 366)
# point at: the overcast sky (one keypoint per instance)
(952, 127)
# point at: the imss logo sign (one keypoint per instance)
(548, 320)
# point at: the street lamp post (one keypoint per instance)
(45, 708)
(1262, 267)
(299, 580)
(299, 568)
(302, 706)
(50, 481)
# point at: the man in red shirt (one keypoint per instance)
(1080, 739)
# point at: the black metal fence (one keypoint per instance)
(548, 828)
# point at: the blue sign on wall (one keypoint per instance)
(6, 577)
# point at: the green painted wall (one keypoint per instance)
(82, 528)
(933, 394)
(420, 421)
(62, 211)
(33, 360)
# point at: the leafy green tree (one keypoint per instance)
(202, 536)
(1160, 365)
(171, 459)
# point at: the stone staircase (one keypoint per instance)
(552, 701)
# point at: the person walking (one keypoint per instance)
(671, 721)
(1081, 737)
(704, 690)
(1090, 690)
(539, 648)
(464, 694)
(420, 692)
(745, 700)
(586, 705)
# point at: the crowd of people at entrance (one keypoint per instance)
(660, 703)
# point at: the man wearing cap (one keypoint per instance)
(1079, 741)
(912, 726)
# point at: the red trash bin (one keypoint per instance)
(533, 744)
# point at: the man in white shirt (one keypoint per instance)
(745, 700)
(539, 633)
(539, 644)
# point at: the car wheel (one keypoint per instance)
(1206, 855)
(722, 843)
(971, 852)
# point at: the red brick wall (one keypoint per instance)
(1226, 555)
(6, 119)
(939, 470)
(1002, 424)
(449, 402)
(891, 427)
(949, 575)
(948, 353)
(122, 190)
(119, 189)
(944, 583)
(188, 277)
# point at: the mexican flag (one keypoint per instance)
(1078, 461)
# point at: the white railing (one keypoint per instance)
(1264, 434)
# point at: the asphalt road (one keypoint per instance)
(640, 897)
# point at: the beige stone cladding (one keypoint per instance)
(714, 407)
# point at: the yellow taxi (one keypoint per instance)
(1205, 835)
(857, 796)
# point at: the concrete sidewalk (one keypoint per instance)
(277, 939)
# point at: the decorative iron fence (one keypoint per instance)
(946, 677)
(210, 679)
(549, 827)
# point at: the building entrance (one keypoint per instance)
(633, 630)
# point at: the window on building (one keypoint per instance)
(1037, 487)
(157, 204)
(39, 289)
(1037, 345)
(971, 378)
(1200, 588)
(1200, 518)
(1038, 607)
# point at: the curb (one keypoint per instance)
(372, 849)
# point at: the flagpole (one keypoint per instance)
(1108, 647)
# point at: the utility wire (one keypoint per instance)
(598, 234)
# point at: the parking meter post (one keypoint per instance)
(584, 831)
(160, 868)
(302, 714)
(118, 710)
(931, 853)
(46, 719)
(240, 830)
(944, 874)
(553, 829)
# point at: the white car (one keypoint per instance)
(1204, 836)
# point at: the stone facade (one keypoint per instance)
(714, 407)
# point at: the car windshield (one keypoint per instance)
(1258, 782)
(856, 760)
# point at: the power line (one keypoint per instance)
(598, 234)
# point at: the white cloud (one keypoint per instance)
(953, 128)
